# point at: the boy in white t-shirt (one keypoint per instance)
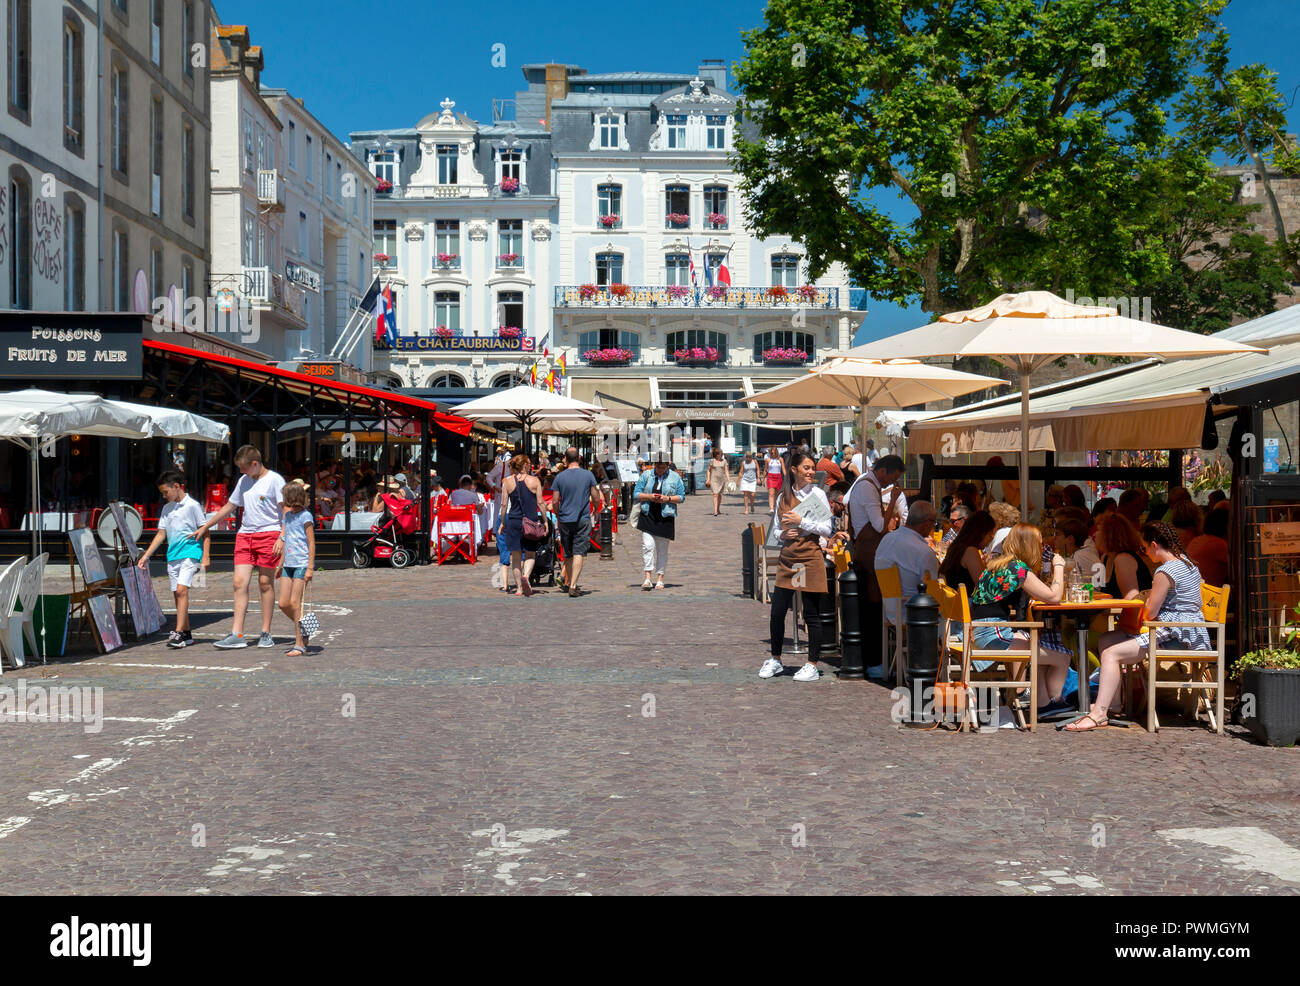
(181, 517)
(259, 543)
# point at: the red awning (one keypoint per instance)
(451, 422)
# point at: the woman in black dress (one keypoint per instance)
(524, 494)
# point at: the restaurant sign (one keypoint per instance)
(1279, 539)
(466, 344)
(45, 345)
(298, 274)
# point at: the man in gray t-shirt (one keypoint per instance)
(576, 492)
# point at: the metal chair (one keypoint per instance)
(1214, 605)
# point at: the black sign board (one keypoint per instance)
(63, 345)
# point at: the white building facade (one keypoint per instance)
(463, 237)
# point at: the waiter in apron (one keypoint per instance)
(869, 520)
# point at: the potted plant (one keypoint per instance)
(807, 292)
(447, 259)
(781, 356)
(588, 291)
(717, 220)
(382, 259)
(510, 332)
(678, 291)
(509, 185)
(696, 356)
(620, 291)
(716, 292)
(608, 357)
(609, 222)
(507, 259)
(384, 187)
(442, 332)
(1269, 690)
(678, 220)
(778, 292)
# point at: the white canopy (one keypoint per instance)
(166, 422)
(34, 414)
(527, 405)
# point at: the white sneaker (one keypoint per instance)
(808, 672)
(771, 668)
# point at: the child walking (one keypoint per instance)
(181, 517)
(299, 559)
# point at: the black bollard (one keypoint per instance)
(850, 635)
(625, 509)
(922, 650)
(747, 562)
(830, 638)
(607, 531)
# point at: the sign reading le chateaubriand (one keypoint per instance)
(466, 344)
(41, 345)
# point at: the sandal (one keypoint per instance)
(296, 652)
(1074, 727)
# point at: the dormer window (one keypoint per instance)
(607, 126)
(677, 130)
(511, 164)
(715, 129)
(383, 165)
(448, 157)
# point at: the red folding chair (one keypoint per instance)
(214, 498)
(459, 534)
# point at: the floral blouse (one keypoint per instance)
(995, 585)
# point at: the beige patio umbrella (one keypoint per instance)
(528, 406)
(1029, 330)
(892, 384)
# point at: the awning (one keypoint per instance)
(636, 390)
(307, 384)
(1147, 405)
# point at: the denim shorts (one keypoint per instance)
(298, 572)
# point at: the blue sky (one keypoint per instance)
(373, 65)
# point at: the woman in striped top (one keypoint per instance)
(1175, 596)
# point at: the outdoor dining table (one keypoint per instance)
(361, 520)
(1082, 613)
(54, 521)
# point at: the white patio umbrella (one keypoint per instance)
(526, 405)
(1026, 331)
(864, 383)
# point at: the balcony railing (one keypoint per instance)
(264, 287)
(270, 189)
(658, 296)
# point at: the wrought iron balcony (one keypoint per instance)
(679, 296)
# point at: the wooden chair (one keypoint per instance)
(891, 588)
(1207, 665)
(951, 603)
(1004, 657)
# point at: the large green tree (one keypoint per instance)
(1030, 142)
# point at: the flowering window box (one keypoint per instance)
(509, 260)
(442, 332)
(677, 220)
(780, 356)
(449, 260)
(807, 293)
(778, 292)
(717, 220)
(611, 222)
(620, 291)
(382, 259)
(384, 187)
(608, 357)
(509, 185)
(587, 292)
(510, 332)
(677, 292)
(716, 292)
(696, 356)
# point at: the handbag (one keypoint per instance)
(534, 529)
(309, 625)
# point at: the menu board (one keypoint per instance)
(1279, 539)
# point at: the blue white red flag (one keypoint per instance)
(386, 317)
(690, 257)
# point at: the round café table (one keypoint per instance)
(1081, 614)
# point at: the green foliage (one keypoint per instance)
(1031, 139)
(1271, 658)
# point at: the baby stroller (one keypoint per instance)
(394, 537)
(546, 557)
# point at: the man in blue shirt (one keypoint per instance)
(576, 493)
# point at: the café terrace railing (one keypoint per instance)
(664, 296)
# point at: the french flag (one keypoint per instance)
(386, 317)
(724, 275)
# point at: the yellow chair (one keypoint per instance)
(1006, 658)
(1214, 606)
(891, 588)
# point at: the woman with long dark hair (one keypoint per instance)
(1175, 597)
(805, 517)
(964, 562)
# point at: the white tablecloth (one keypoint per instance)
(459, 527)
(58, 521)
(361, 520)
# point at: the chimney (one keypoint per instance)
(714, 72)
(557, 86)
(252, 66)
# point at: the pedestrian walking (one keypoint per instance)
(801, 567)
(299, 560)
(524, 494)
(577, 496)
(719, 477)
(658, 492)
(775, 468)
(259, 543)
(181, 516)
(749, 480)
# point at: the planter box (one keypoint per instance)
(609, 362)
(696, 362)
(785, 362)
(1276, 721)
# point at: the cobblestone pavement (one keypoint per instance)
(507, 746)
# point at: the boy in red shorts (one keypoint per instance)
(258, 544)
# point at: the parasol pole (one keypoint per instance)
(1024, 441)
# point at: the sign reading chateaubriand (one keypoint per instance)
(51, 345)
(466, 344)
